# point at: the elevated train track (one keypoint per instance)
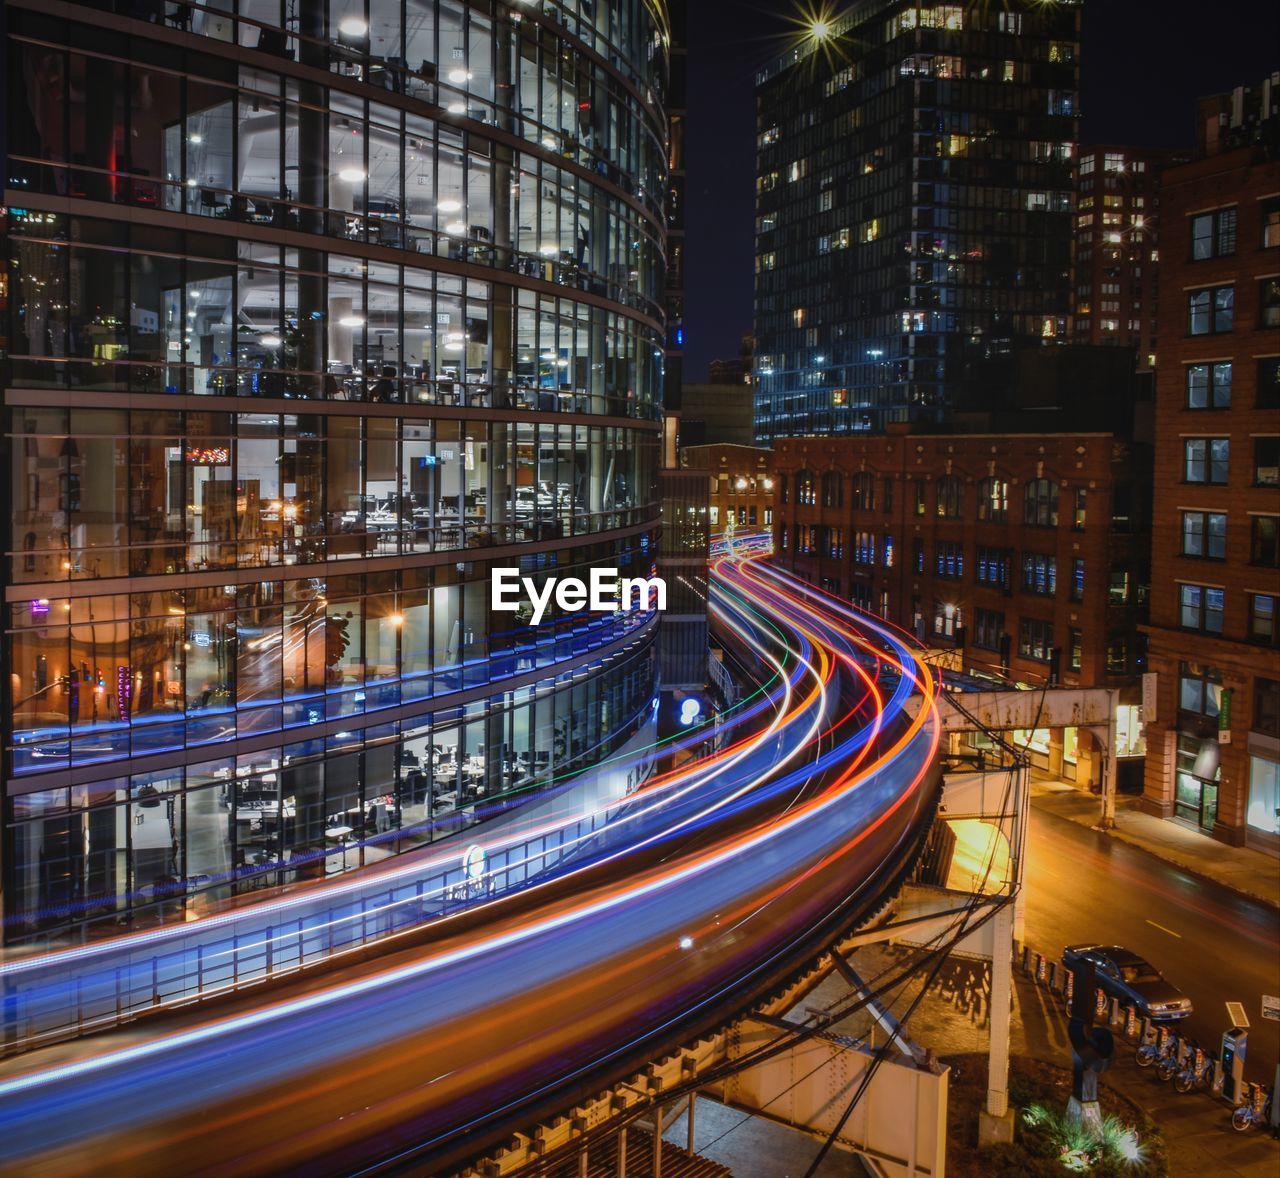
(718, 887)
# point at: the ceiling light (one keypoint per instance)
(271, 341)
(548, 250)
(351, 321)
(197, 139)
(351, 175)
(456, 227)
(353, 26)
(459, 76)
(457, 108)
(449, 206)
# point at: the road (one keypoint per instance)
(1214, 944)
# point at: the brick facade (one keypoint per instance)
(742, 484)
(1214, 595)
(911, 527)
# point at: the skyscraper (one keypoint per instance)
(913, 210)
(673, 376)
(1117, 255)
(312, 321)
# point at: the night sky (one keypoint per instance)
(1144, 63)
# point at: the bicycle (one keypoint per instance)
(1256, 1112)
(1197, 1073)
(1168, 1065)
(1149, 1054)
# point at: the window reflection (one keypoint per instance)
(171, 845)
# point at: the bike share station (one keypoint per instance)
(1176, 1058)
(1173, 1057)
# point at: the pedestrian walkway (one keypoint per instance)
(1249, 872)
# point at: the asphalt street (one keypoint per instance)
(1212, 943)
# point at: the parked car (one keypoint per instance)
(1122, 974)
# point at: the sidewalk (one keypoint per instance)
(1249, 872)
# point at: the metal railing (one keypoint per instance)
(73, 992)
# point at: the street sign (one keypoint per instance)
(1236, 1015)
(1149, 689)
(1271, 1007)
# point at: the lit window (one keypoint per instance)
(1200, 607)
(1211, 310)
(1205, 460)
(1204, 534)
(1209, 386)
(1213, 235)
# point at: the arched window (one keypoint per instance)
(864, 492)
(1041, 503)
(950, 489)
(993, 500)
(806, 491)
(832, 489)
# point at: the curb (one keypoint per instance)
(1158, 852)
(1120, 836)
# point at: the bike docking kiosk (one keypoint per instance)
(1229, 1079)
(1171, 1056)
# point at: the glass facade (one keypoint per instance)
(311, 322)
(913, 211)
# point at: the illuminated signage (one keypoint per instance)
(209, 455)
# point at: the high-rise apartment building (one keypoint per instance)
(1117, 247)
(312, 322)
(1213, 735)
(914, 211)
(673, 376)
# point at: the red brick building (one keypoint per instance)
(1214, 742)
(1019, 551)
(742, 484)
(1116, 256)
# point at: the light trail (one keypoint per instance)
(787, 836)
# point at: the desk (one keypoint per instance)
(341, 833)
(258, 813)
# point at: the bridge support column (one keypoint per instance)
(693, 1101)
(657, 1141)
(1022, 822)
(1104, 736)
(622, 1153)
(995, 1122)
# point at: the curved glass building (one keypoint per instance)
(315, 313)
